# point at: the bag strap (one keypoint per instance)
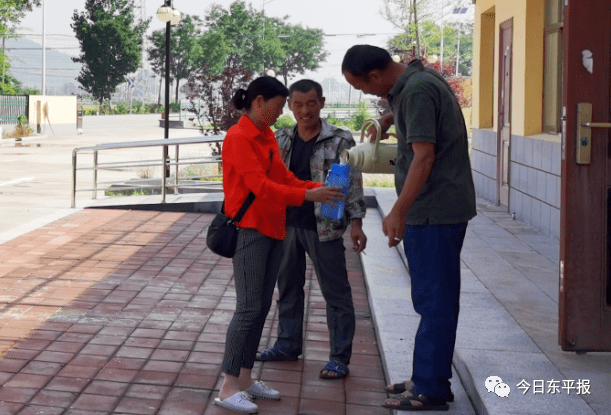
(249, 199)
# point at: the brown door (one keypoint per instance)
(504, 134)
(585, 282)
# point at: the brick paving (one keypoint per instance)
(125, 312)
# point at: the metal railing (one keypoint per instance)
(130, 164)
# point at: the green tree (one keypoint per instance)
(111, 45)
(156, 57)
(210, 51)
(301, 50)
(262, 43)
(183, 41)
(9, 85)
(465, 64)
(411, 15)
(241, 28)
(11, 12)
(430, 36)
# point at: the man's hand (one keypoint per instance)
(386, 122)
(359, 239)
(393, 226)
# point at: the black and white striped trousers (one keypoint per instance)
(255, 269)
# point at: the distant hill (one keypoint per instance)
(26, 66)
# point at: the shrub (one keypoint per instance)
(285, 121)
(153, 108)
(105, 109)
(339, 122)
(334, 121)
(121, 108)
(22, 129)
(362, 115)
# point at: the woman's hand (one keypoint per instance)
(324, 194)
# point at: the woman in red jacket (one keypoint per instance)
(251, 162)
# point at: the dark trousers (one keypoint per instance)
(330, 266)
(433, 255)
(255, 268)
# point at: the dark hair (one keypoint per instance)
(359, 60)
(265, 86)
(306, 85)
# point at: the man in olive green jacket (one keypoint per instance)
(309, 149)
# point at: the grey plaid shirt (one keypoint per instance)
(330, 144)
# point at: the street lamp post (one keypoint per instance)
(44, 52)
(458, 50)
(264, 28)
(170, 17)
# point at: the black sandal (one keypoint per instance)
(428, 404)
(399, 389)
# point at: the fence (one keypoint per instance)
(13, 106)
(163, 144)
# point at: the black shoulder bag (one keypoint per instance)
(222, 234)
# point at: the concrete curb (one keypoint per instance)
(490, 342)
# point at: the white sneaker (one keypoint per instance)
(239, 402)
(260, 390)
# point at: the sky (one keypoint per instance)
(339, 17)
(351, 21)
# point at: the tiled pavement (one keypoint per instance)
(111, 311)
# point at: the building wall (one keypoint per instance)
(534, 170)
(534, 194)
(61, 111)
(527, 81)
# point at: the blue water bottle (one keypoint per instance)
(339, 175)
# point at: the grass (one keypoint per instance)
(197, 170)
(378, 180)
(134, 193)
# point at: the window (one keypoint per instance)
(552, 67)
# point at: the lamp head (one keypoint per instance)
(175, 17)
(164, 13)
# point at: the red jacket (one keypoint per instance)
(247, 167)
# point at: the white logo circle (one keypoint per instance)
(491, 383)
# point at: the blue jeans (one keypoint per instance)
(433, 255)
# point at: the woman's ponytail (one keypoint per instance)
(239, 99)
